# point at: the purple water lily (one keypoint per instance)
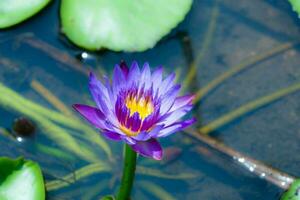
(137, 107)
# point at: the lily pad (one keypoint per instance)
(293, 193)
(15, 11)
(296, 5)
(120, 25)
(20, 180)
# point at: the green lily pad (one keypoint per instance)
(20, 180)
(120, 25)
(295, 5)
(293, 193)
(15, 11)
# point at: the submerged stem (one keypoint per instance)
(128, 174)
(50, 97)
(274, 176)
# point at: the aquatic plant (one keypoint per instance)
(14, 11)
(120, 25)
(137, 108)
(202, 92)
(44, 116)
(116, 25)
(21, 180)
(296, 5)
(293, 191)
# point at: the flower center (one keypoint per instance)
(132, 108)
(128, 132)
(142, 106)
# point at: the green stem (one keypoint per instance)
(128, 174)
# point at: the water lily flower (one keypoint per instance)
(137, 107)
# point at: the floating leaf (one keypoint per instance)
(20, 180)
(121, 24)
(15, 11)
(293, 193)
(296, 5)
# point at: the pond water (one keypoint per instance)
(258, 36)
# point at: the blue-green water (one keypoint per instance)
(243, 29)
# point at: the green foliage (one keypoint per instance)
(120, 25)
(293, 193)
(15, 11)
(20, 180)
(296, 5)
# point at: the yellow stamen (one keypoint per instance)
(128, 132)
(142, 106)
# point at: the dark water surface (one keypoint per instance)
(241, 30)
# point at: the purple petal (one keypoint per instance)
(149, 121)
(93, 115)
(98, 89)
(108, 109)
(118, 79)
(143, 136)
(121, 111)
(167, 84)
(176, 127)
(157, 78)
(102, 97)
(102, 103)
(172, 117)
(135, 123)
(129, 140)
(156, 130)
(134, 73)
(111, 135)
(108, 86)
(182, 101)
(146, 76)
(169, 99)
(150, 148)
(124, 68)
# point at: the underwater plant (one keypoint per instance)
(14, 11)
(137, 108)
(21, 180)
